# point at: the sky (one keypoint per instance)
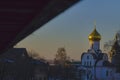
(71, 29)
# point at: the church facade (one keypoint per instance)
(94, 63)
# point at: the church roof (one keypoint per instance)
(103, 63)
(14, 54)
(94, 35)
(98, 57)
(93, 54)
(107, 63)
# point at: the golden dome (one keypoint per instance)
(95, 36)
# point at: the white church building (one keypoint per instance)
(94, 63)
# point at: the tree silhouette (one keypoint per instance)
(61, 57)
(113, 46)
(35, 55)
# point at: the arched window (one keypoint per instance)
(90, 63)
(87, 57)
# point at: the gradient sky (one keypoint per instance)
(71, 28)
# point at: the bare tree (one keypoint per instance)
(113, 45)
(61, 56)
(63, 64)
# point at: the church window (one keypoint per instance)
(90, 63)
(87, 57)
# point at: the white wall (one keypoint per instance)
(88, 60)
(104, 73)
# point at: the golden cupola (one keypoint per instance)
(94, 36)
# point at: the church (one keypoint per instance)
(94, 63)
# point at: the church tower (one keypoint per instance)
(94, 40)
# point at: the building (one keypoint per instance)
(94, 63)
(15, 64)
